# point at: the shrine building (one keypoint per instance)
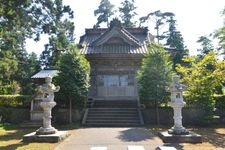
(114, 54)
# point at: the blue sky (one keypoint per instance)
(195, 18)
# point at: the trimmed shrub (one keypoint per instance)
(15, 100)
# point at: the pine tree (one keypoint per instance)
(160, 20)
(127, 12)
(206, 44)
(175, 41)
(154, 74)
(73, 78)
(61, 34)
(104, 12)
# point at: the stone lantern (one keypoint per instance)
(47, 104)
(178, 134)
(36, 111)
(45, 92)
(177, 103)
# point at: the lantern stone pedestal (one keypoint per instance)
(46, 133)
(178, 134)
(47, 128)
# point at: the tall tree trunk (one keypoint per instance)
(70, 112)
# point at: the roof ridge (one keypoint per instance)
(132, 37)
(121, 30)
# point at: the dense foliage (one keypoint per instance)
(175, 42)
(15, 100)
(127, 13)
(166, 34)
(206, 45)
(22, 19)
(154, 74)
(104, 12)
(73, 77)
(202, 76)
(220, 35)
(60, 31)
(159, 19)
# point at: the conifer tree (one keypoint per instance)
(127, 13)
(175, 41)
(206, 45)
(154, 74)
(104, 12)
(73, 78)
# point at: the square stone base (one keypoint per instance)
(189, 138)
(50, 138)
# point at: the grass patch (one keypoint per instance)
(11, 138)
(7, 126)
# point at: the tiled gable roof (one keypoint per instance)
(116, 32)
(99, 41)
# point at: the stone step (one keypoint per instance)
(115, 104)
(113, 109)
(109, 108)
(113, 124)
(113, 113)
(112, 116)
(110, 112)
(111, 121)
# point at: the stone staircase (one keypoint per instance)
(120, 113)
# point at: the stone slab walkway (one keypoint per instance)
(112, 138)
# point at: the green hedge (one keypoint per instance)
(220, 101)
(15, 100)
